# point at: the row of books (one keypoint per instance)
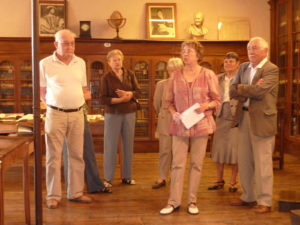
(142, 114)
(141, 130)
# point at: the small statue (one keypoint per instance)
(197, 30)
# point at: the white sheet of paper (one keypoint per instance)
(190, 117)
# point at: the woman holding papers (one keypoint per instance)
(189, 86)
(224, 148)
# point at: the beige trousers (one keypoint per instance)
(255, 164)
(180, 147)
(165, 155)
(58, 126)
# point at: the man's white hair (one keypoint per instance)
(60, 33)
(263, 43)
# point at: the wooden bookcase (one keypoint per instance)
(147, 59)
(285, 52)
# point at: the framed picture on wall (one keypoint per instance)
(52, 16)
(161, 20)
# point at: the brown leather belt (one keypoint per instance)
(64, 110)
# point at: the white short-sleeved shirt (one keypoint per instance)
(63, 82)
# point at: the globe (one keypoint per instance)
(116, 21)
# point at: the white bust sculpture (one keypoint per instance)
(197, 30)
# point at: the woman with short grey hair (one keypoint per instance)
(118, 92)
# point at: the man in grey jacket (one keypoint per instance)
(256, 87)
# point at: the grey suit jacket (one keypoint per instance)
(233, 102)
(164, 116)
(263, 98)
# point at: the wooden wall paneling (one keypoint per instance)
(149, 51)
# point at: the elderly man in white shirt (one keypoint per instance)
(63, 89)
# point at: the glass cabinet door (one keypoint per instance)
(282, 84)
(283, 18)
(141, 71)
(296, 16)
(282, 64)
(295, 80)
(282, 53)
(7, 87)
(26, 87)
(295, 120)
(161, 71)
(97, 71)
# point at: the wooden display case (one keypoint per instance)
(285, 52)
(7, 87)
(146, 58)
